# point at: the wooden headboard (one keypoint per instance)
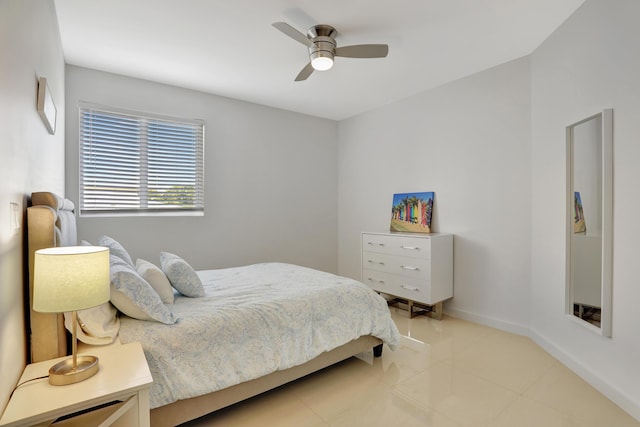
(50, 222)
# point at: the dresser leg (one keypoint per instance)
(436, 311)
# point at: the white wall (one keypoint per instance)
(469, 142)
(590, 63)
(30, 158)
(270, 179)
(491, 146)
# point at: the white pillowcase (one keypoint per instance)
(97, 325)
(115, 248)
(133, 296)
(181, 275)
(156, 279)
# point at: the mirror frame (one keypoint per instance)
(605, 328)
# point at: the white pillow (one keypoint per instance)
(97, 325)
(133, 296)
(115, 248)
(181, 275)
(156, 279)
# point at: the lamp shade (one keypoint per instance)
(70, 278)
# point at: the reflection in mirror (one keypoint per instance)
(589, 221)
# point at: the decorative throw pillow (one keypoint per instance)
(97, 325)
(115, 248)
(181, 275)
(133, 296)
(156, 279)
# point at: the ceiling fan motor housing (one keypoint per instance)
(324, 43)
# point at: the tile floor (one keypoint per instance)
(447, 373)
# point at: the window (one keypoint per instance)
(139, 164)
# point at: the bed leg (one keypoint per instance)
(377, 350)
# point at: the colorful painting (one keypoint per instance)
(412, 212)
(579, 225)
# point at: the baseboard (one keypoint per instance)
(493, 322)
(618, 397)
(596, 381)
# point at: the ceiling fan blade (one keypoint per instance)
(363, 51)
(304, 73)
(293, 33)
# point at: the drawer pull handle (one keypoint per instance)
(371, 244)
(410, 288)
(409, 267)
(373, 280)
(370, 261)
(411, 248)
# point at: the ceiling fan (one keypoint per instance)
(321, 41)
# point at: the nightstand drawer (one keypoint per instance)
(393, 264)
(413, 247)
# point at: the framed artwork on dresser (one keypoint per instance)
(412, 212)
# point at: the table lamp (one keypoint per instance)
(67, 279)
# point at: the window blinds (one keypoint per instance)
(130, 163)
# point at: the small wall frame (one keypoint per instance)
(46, 107)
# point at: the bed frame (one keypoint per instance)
(51, 222)
(46, 218)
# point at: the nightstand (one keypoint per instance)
(118, 395)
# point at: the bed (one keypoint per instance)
(252, 329)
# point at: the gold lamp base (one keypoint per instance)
(64, 373)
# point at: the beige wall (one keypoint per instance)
(30, 158)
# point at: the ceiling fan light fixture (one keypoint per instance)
(322, 63)
(321, 42)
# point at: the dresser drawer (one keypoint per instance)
(418, 290)
(379, 281)
(414, 247)
(394, 264)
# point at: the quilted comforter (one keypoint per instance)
(254, 320)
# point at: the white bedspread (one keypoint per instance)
(254, 320)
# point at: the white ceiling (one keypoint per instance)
(229, 48)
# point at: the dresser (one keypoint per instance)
(412, 267)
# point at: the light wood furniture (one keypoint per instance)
(415, 268)
(118, 395)
(46, 219)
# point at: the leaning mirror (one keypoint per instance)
(589, 221)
